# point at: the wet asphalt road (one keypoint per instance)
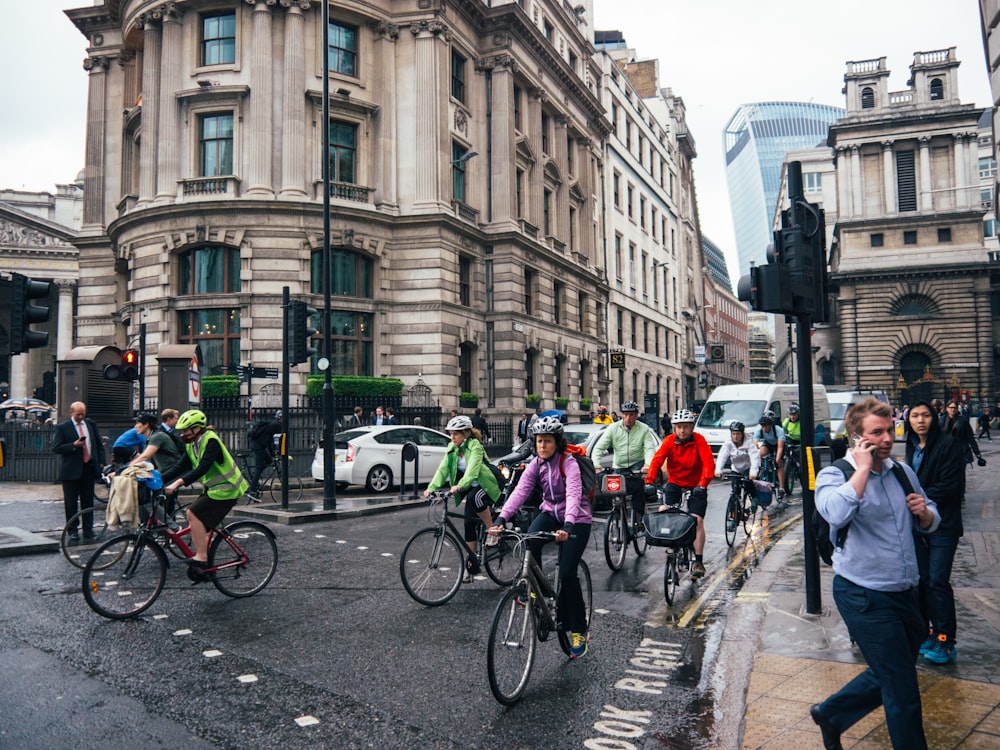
(335, 640)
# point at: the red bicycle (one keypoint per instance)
(127, 573)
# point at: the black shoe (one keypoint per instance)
(196, 563)
(472, 564)
(74, 536)
(197, 575)
(831, 737)
(88, 534)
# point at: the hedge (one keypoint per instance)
(355, 385)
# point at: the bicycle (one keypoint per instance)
(270, 478)
(792, 466)
(768, 470)
(127, 573)
(434, 559)
(741, 506)
(623, 521)
(675, 530)
(525, 615)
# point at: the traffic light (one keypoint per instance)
(127, 369)
(23, 314)
(299, 332)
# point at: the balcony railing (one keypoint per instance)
(213, 186)
(464, 212)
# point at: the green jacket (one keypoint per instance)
(476, 469)
(637, 445)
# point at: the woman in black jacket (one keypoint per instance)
(939, 461)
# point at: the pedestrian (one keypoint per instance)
(208, 460)
(564, 510)
(875, 582)
(77, 442)
(479, 422)
(378, 418)
(984, 424)
(261, 439)
(522, 429)
(355, 420)
(665, 424)
(958, 426)
(938, 406)
(937, 460)
(390, 416)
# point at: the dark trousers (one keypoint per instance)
(889, 630)
(78, 494)
(935, 556)
(261, 460)
(572, 612)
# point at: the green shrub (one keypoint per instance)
(586, 403)
(561, 403)
(355, 385)
(213, 386)
(533, 399)
(469, 396)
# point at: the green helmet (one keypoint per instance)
(191, 418)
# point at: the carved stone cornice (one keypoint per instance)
(538, 93)
(125, 57)
(492, 62)
(13, 234)
(431, 26)
(266, 2)
(383, 29)
(300, 4)
(66, 286)
(98, 62)
(172, 11)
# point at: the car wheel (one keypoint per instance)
(379, 479)
(341, 486)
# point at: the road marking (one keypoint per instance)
(306, 721)
(211, 653)
(183, 631)
(753, 596)
(247, 678)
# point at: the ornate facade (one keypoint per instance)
(465, 170)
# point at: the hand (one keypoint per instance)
(171, 488)
(562, 535)
(862, 452)
(718, 475)
(427, 493)
(455, 490)
(918, 507)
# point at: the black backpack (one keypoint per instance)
(588, 474)
(821, 527)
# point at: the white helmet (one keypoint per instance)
(458, 424)
(681, 416)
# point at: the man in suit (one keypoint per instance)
(390, 416)
(522, 429)
(78, 443)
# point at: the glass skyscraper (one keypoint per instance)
(755, 140)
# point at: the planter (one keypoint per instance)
(467, 404)
(562, 403)
(532, 401)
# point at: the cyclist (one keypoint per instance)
(564, 510)
(207, 459)
(131, 442)
(261, 438)
(602, 416)
(464, 470)
(741, 453)
(633, 442)
(689, 467)
(770, 438)
(793, 430)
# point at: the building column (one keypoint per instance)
(536, 176)
(386, 187)
(963, 185)
(889, 178)
(293, 121)
(843, 166)
(168, 164)
(64, 318)
(984, 338)
(149, 144)
(261, 99)
(847, 307)
(503, 172)
(431, 174)
(93, 173)
(561, 133)
(19, 376)
(857, 186)
(926, 196)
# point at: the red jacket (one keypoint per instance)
(689, 464)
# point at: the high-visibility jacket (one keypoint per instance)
(222, 481)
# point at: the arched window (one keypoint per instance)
(351, 273)
(867, 98)
(913, 365)
(917, 305)
(937, 89)
(211, 269)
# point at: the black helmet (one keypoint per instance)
(737, 427)
(769, 418)
(793, 409)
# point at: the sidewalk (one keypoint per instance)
(800, 659)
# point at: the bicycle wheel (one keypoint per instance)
(749, 510)
(78, 551)
(614, 538)
(511, 649)
(272, 479)
(732, 517)
(248, 558)
(502, 561)
(638, 537)
(128, 584)
(670, 577)
(583, 573)
(431, 565)
(791, 475)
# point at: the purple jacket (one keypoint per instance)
(561, 497)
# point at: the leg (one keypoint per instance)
(699, 537)
(888, 630)
(570, 604)
(87, 499)
(940, 596)
(71, 498)
(260, 461)
(199, 536)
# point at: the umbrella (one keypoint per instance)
(24, 404)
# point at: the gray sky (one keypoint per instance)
(716, 55)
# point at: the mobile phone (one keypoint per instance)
(855, 440)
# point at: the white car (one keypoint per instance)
(373, 456)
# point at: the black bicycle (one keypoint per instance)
(793, 466)
(434, 559)
(525, 615)
(741, 508)
(675, 530)
(624, 522)
(270, 479)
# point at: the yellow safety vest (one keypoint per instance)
(224, 482)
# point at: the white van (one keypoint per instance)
(746, 404)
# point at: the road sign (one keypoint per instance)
(245, 373)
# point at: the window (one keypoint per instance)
(547, 212)
(877, 239)
(217, 331)
(614, 120)
(631, 266)
(582, 306)
(628, 134)
(211, 269)
(343, 151)
(813, 182)
(218, 39)
(572, 228)
(867, 98)
(351, 343)
(989, 228)
(645, 284)
(466, 357)
(457, 76)
(620, 318)
(619, 263)
(517, 109)
(630, 208)
(937, 89)
(635, 328)
(910, 237)
(343, 52)
(465, 283)
(549, 31)
(519, 190)
(215, 145)
(642, 212)
(645, 336)
(570, 153)
(458, 164)
(944, 234)
(351, 274)
(530, 365)
(557, 304)
(545, 133)
(987, 167)
(906, 181)
(573, 61)
(616, 186)
(529, 291)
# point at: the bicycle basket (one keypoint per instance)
(670, 528)
(764, 493)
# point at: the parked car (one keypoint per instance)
(373, 456)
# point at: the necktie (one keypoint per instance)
(86, 449)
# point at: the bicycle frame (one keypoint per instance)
(534, 577)
(153, 526)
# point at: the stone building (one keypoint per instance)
(465, 169)
(726, 336)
